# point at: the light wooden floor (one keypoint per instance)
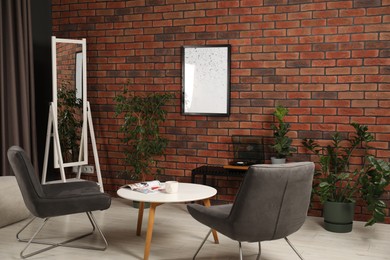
(176, 236)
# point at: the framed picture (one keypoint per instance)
(206, 80)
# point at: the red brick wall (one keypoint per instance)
(327, 61)
(66, 64)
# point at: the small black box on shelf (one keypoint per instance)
(247, 150)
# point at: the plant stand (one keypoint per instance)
(338, 216)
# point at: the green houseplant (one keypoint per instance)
(339, 184)
(141, 128)
(69, 109)
(282, 143)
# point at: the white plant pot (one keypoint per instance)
(275, 160)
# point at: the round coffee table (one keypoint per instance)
(187, 192)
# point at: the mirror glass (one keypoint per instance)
(69, 98)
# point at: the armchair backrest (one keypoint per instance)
(28, 182)
(272, 201)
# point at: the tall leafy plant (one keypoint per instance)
(141, 128)
(282, 143)
(69, 114)
(339, 182)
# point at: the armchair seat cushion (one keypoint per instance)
(70, 189)
(70, 198)
(214, 217)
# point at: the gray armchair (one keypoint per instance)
(272, 203)
(52, 200)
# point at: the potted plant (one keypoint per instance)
(339, 184)
(282, 143)
(141, 128)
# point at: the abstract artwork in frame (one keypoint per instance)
(206, 80)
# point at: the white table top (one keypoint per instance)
(187, 192)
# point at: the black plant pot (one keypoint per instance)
(338, 216)
(136, 204)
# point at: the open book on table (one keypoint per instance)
(145, 187)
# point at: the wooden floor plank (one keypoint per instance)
(176, 236)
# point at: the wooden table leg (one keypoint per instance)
(207, 203)
(140, 216)
(149, 231)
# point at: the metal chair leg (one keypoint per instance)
(22, 255)
(295, 250)
(240, 249)
(258, 255)
(64, 243)
(23, 228)
(95, 225)
(201, 245)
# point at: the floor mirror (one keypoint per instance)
(70, 116)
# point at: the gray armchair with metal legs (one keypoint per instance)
(271, 203)
(52, 200)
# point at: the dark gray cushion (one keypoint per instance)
(54, 199)
(272, 203)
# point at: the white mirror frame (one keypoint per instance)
(83, 158)
(206, 80)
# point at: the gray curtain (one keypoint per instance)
(17, 105)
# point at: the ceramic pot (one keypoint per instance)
(275, 160)
(338, 216)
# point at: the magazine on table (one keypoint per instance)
(145, 187)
